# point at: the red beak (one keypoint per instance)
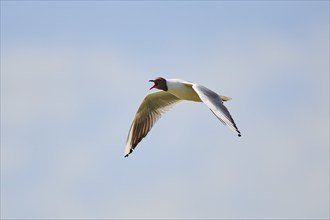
(154, 86)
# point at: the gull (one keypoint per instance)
(174, 91)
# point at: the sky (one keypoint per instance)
(73, 74)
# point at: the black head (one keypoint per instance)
(160, 83)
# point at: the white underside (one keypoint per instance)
(182, 89)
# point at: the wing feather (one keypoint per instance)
(150, 110)
(212, 100)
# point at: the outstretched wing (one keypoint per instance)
(213, 101)
(150, 110)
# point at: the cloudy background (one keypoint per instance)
(74, 73)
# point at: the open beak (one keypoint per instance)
(154, 86)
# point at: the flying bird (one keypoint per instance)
(174, 91)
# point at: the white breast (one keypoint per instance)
(182, 89)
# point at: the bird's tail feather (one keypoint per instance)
(225, 98)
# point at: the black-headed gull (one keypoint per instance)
(174, 90)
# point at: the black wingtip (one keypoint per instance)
(239, 135)
(128, 153)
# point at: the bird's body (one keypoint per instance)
(174, 90)
(182, 89)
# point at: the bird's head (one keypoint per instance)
(160, 83)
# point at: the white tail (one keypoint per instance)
(225, 98)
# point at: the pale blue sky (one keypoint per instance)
(74, 73)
